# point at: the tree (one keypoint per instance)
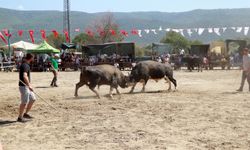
(55, 42)
(176, 40)
(84, 38)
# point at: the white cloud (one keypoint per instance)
(20, 7)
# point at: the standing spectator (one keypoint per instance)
(54, 65)
(246, 70)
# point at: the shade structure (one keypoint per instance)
(43, 48)
(22, 45)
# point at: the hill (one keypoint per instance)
(36, 20)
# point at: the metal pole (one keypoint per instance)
(9, 45)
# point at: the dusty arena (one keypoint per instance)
(204, 113)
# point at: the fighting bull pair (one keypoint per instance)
(93, 76)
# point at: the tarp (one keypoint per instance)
(43, 48)
(22, 45)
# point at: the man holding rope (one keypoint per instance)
(246, 70)
(27, 96)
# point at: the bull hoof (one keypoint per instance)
(131, 92)
(76, 95)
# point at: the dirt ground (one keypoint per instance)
(204, 113)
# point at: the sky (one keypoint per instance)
(92, 6)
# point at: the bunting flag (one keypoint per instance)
(210, 30)
(89, 33)
(189, 32)
(6, 32)
(77, 30)
(101, 32)
(112, 32)
(217, 31)
(134, 32)
(233, 28)
(181, 31)
(200, 31)
(160, 29)
(224, 29)
(176, 30)
(246, 30)
(20, 33)
(55, 33)
(3, 38)
(196, 30)
(66, 33)
(168, 29)
(140, 33)
(124, 33)
(154, 31)
(147, 31)
(31, 32)
(43, 34)
(239, 29)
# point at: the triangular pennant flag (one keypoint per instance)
(176, 30)
(77, 30)
(233, 28)
(246, 30)
(147, 31)
(181, 32)
(189, 32)
(239, 29)
(217, 31)
(140, 33)
(210, 30)
(200, 31)
(43, 34)
(224, 29)
(160, 29)
(195, 30)
(168, 29)
(154, 31)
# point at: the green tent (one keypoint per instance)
(43, 48)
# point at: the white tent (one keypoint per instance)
(22, 45)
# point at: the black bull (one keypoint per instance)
(193, 62)
(146, 70)
(93, 76)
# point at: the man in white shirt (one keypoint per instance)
(246, 69)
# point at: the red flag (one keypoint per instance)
(77, 30)
(6, 32)
(3, 38)
(55, 33)
(134, 32)
(112, 32)
(66, 33)
(124, 33)
(101, 32)
(20, 33)
(43, 34)
(31, 32)
(90, 33)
